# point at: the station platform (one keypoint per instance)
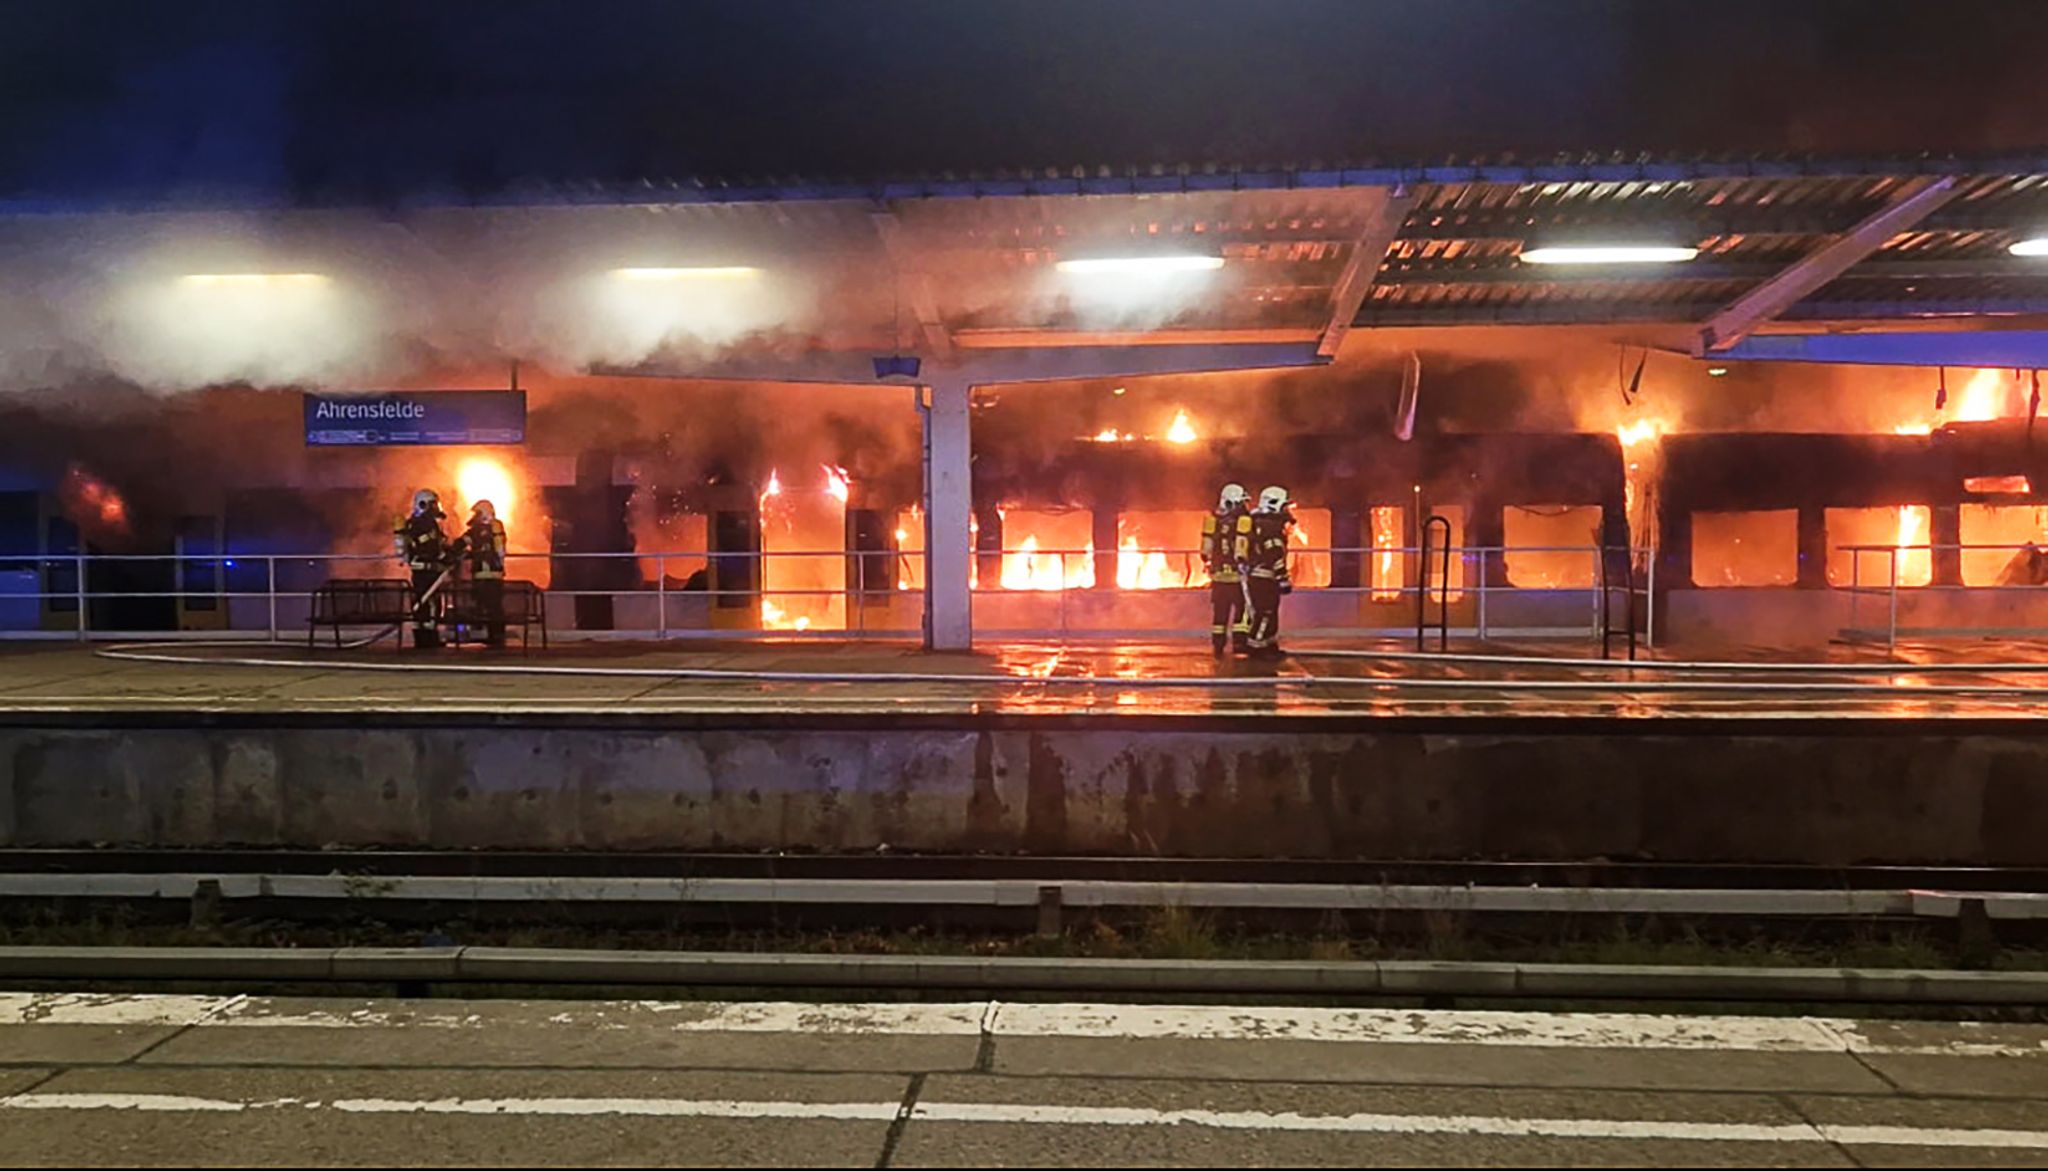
(1027, 677)
(163, 1080)
(1115, 748)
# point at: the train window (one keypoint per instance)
(1550, 546)
(1158, 550)
(2000, 524)
(1389, 536)
(1901, 526)
(1745, 548)
(1310, 564)
(1046, 550)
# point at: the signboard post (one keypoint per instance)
(428, 418)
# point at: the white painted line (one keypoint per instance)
(73, 1008)
(1010, 1019)
(1400, 1026)
(1633, 1130)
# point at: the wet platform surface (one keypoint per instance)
(1972, 680)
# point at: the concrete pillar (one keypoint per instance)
(1813, 547)
(948, 515)
(1946, 528)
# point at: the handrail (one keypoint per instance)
(1443, 594)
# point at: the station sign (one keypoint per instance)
(423, 418)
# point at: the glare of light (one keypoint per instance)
(254, 279)
(2032, 246)
(1139, 265)
(836, 483)
(902, 534)
(1118, 392)
(705, 273)
(1609, 254)
(1716, 371)
(1640, 431)
(774, 487)
(1111, 435)
(1183, 429)
(1913, 429)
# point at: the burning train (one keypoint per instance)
(649, 523)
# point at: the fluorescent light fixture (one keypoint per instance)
(701, 273)
(2032, 246)
(1140, 265)
(1716, 371)
(254, 279)
(1608, 254)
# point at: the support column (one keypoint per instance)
(1813, 547)
(1946, 528)
(948, 513)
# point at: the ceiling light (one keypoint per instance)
(714, 273)
(1609, 254)
(1716, 371)
(1140, 265)
(254, 278)
(2031, 246)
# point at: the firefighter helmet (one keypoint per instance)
(484, 509)
(1233, 496)
(424, 500)
(1273, 499)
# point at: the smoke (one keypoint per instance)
(178, 302)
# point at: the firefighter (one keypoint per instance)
(1226, 541)
(483, 547)
(1266, 577)
(423, 548)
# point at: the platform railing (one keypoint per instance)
(267, 595)
(1889, 586)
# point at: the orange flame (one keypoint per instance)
(479, 477)
(837, 483)
(1182, 430)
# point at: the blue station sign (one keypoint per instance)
(416, 418)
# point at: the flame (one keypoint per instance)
(1986, 396)
(1913, 429)
(1386, 537)
(774, 487)
(1112, 435)
(1028, 569)
(1140, 569)
(1639, 432)
(92, 502)
(482, 478)
(837, 483)
(1182, 430)
(773, 617)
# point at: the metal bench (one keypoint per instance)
(359, 602)
(525, 608)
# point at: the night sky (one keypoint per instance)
(365, 101)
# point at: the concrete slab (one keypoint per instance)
(78, 1044)
(1443, 1064)
(1990, 1077)
(13, 1081)
(510, 1034)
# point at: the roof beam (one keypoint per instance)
(1971, 268)
(1807, 275)
(914, 281)
(1368, 252)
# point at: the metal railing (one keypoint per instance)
(268, 595)
(1892, 589)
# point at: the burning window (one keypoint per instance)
(910, 551)
(1899, 527)
(1745, 548)
(1551, 546)
(660, 526)
(2000, 524)
(1387, 573)
(803, 542)
(1309, 566)
(1160, 550)
(1044, 550)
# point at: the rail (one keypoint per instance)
(702, 592)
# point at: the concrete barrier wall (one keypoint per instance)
(1823, 796)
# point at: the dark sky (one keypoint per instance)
(366, 100)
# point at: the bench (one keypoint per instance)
(359, 602)
(525, 608)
